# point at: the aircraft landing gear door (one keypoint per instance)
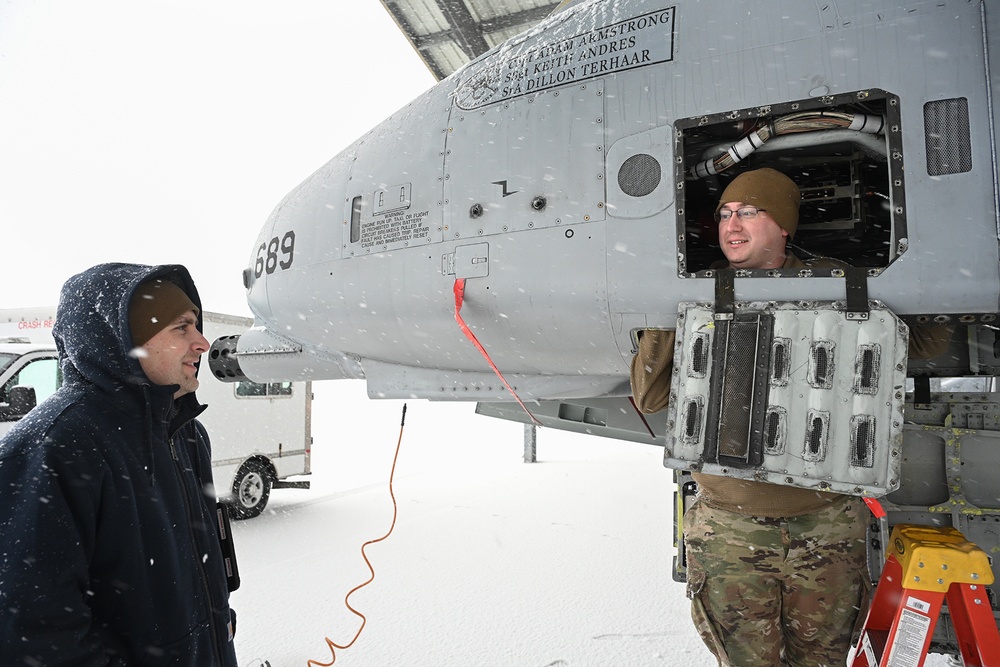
(468, 261)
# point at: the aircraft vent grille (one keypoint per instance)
(947, 137)
(694, 408)
(779, 361)
(639, 175)
(817, 433)
(821, 364)
(699, 356)
(866, 369)
(774, 430)
(863, 440)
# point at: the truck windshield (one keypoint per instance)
(5, 360)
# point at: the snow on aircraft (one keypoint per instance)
(563, 184)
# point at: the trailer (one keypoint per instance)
(261, 433)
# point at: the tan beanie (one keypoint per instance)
(154, 306)
(768, 190)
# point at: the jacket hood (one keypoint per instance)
(92, 330)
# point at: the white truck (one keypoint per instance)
(261, 433)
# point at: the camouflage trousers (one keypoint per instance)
(769, 592)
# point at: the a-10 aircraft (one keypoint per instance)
(563, 184)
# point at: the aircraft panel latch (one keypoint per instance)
(468, 261)
(857, 293)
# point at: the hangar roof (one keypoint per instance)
(449, 33)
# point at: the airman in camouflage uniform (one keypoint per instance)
(776, 574)
(777, 591)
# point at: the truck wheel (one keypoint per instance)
(251, 489)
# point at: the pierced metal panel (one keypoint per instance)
(639, 175)
(694, 419)
(779, 361)
(774, 430)
(700, 351)
(947, 136)
(817, 435)
(821, 364)
(795, 394)
(863, 440)
(866, 369)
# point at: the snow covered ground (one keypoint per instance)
(493, 561)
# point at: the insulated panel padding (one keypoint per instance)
(794, 394)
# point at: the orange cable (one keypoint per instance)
(329, 642)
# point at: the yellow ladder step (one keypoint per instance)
(933, 558)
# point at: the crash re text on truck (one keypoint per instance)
(261, 433)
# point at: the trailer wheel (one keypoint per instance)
(251, 489)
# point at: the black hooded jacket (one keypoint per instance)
(109, 549)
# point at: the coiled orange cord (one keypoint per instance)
(329, 642)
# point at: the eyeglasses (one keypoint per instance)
(744, 213)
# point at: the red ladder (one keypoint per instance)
(926, 566)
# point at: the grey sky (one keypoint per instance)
(155, 132)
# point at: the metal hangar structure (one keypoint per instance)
(449, 33)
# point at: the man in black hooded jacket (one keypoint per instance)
(109, 542)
